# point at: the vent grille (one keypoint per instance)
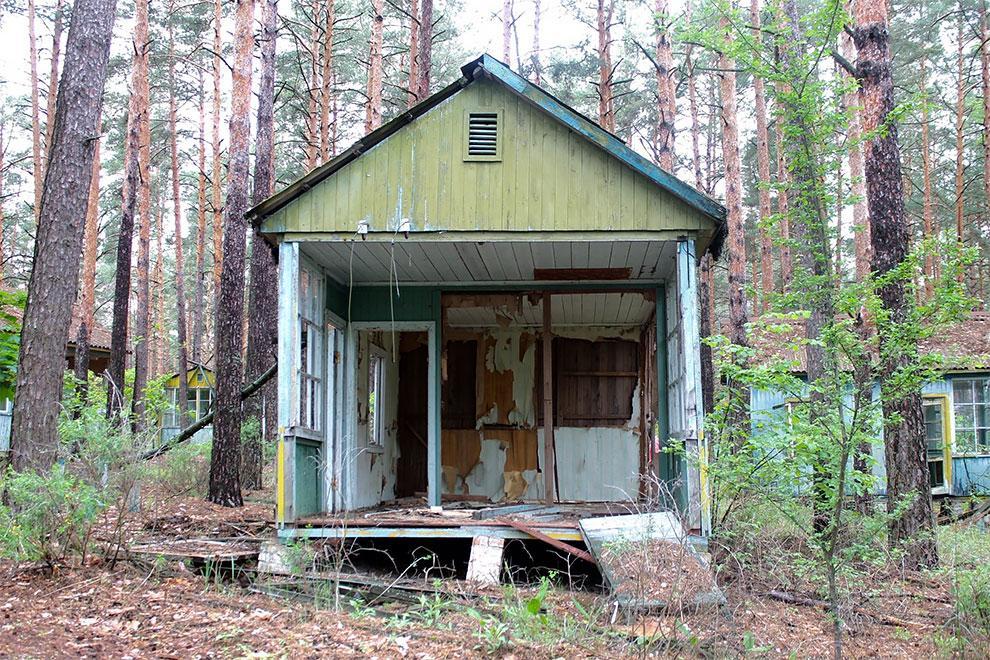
(482, 134)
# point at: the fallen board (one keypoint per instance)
(647, 562)
(197, 549)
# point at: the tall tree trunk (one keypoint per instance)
(411, 98)
(733, 199)
(985, 79)
(157, 341)
(215, 154)
(199, 303)
(783, 176)
(52, 95)
(180, 270)
(225, 485)
(507, 31)
(904, 429)
(425, 48)
(87, 286)
(928, 214)
(3, 221)
(763, 167)
(122, 277)
(665, 88)
(142, 320)
(861, 218)
(326, 81)
(373, 109)
(313, 90)
(263, 296)
(606, 104)
(535, 57)
(37, 164)
(692, 88)
(960, 119)
(58, 244)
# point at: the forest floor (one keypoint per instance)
(167, 610)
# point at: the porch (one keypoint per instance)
(499, 371)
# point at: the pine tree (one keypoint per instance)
(763, 166)
(87, 286)
(667, 109)
(373, 107)
(606, 102)
(37, 165)
(225, 486)
(425, 48)
(58, 245)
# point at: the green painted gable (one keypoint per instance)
(549, 178)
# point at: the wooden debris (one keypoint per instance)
(537, 534)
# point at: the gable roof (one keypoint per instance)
(488, 67)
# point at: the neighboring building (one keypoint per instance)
(490, 297)
(201, 384)
(99, 359)
(956, 407)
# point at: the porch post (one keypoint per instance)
(288, 397)
(435, 351)
(549, 469)
(663, 395)
(697, 487)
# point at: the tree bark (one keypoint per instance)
(326, 81)
(52, 95)
(216, 164)
(225, 486)
(37, 164)
(535, 57)
(373, 109)
(606, 104)
(142, 320)
(928, 215)
(199, 304)
(58, 243)
(180, 271)
(313, 90)
(960, 120)
(738, 315)
(263, 294)
(763, 168)
(985, 79)
(425, 48)
(87, 288)
(786, 259)
(412, 98)
(665, 88)
(904, 430)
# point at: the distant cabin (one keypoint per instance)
(956, 406)
(201, 383)
(99, 360)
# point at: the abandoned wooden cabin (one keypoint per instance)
(488, 298)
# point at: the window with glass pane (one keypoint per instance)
(971, 406)
(935, 441)
(311, 354)
(376, 397)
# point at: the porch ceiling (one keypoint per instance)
(568, 310)
(486, 261)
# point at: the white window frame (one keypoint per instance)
(376, 427)
(977, 384)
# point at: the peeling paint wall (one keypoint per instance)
(374, 467)
(501, 457)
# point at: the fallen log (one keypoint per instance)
(207, 419)
(972, 515)
(885, 619)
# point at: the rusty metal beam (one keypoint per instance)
(549, 540)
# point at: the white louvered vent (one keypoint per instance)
(483, 136)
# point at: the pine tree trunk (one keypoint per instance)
(904, 430)
(606, 107)
(216, 156)
(158, 341)
(665, 89)
(733, 201)
(960, 117)
(87, 285)
(783, 176)
(263, 294)
(928, 214)
(537, 65)
(857, 187)
(52, 95)
(985, 79)
(225, 485)
(37, 164)
(180, 270)
(692, 88)
(507, 31)
(763, 167)
(142, 320)
(411, 98)
(199, 303)
(3, 221)
(58, 244)
(425, 48)
(313, 90)
(326, 81)
(373, 109)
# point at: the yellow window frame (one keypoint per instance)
(948, 435)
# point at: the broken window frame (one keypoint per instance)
(311, 350)
(376, 392)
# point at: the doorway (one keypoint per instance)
(412, 417)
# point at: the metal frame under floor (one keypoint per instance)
(459, 520)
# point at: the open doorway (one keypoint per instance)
(412, 414)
